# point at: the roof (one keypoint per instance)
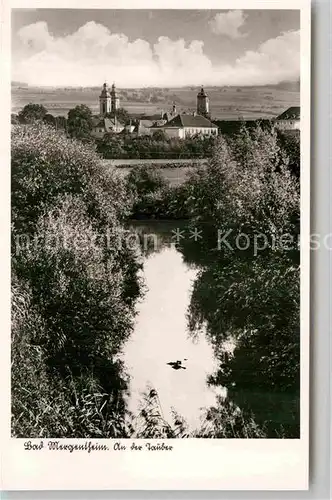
(292, 113)
(202, 93)
(181, 121)
(107, 123)
(105, 92)
(159, 123)
(97, 121)
(151, 117)
(168, 116)
(142, 125)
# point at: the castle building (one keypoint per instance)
(104, 101)
(203, 103)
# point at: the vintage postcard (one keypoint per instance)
(158, 164)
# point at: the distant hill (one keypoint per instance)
(226, 103)
(286, 85)
(19, 84)
(289, 86)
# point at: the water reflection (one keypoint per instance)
(243, 344)
(161, 335)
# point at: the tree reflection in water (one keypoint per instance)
(253, 303)
(249, 309)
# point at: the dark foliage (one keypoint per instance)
(31, 113)
(79, 123)
(117, 146)
(121, 114)
(74, 288)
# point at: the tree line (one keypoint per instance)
(79, 124)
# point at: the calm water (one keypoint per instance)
(161, 335)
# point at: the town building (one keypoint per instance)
(289, 119)
(102, 126)
(109, 101)
(203, 104)
(166, 117)
(173, 123)
(104, 101)
(143, 127)
(184, 125)
(115, 100)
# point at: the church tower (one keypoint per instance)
(115, 100)
(104, 101)
(203, 103)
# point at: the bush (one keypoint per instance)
(290, 143)
(155, 146)
(153, 195)
(251, 300)
(246, 186)
(46, 165)
(32, 113)
(74, 288)
(145, 179)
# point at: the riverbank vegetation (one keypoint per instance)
(247, 292)
(244, 205)
(73, 289)
(75, 283)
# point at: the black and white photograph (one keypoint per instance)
(155, 224)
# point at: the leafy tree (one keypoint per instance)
(79, 124)
(246, 185)
(111, 146)
(50, 120)
(61, 122)
(14, 119)
(250, 300)
(31, 113)
(159, 135)
(74, 288)
(121, 114)
(289, 142)
(145, 179)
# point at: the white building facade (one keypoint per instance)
(289, 119)
(183, 126)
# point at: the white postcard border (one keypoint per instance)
(194, 464)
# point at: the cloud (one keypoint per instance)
(93, 53)
(228, 24)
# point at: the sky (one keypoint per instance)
(162, 48)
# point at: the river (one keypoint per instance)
(161, 335)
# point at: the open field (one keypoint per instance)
(227, 103)
(175, 175)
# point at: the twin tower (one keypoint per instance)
(109, 102)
